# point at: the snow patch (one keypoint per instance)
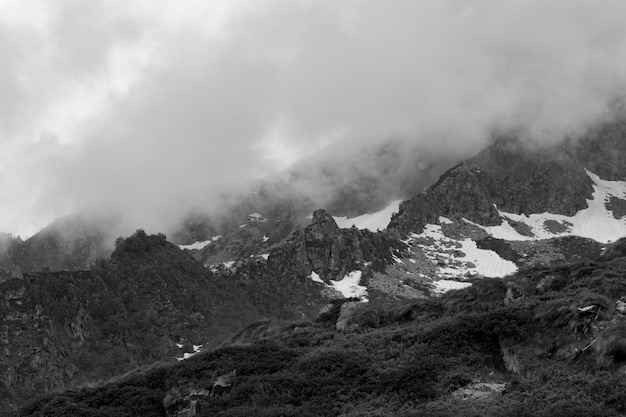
(445, 285)
(349, 286)
(200, 245)
(375, 221)
(257, 217)
(196, 245)
(265, 238)
(459, 258)
(265, 256)
(187, 355)
(315, 277)
(594, 222)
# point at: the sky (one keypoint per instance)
(151, 107)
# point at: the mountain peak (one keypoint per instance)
(323, 224)
(507, 176)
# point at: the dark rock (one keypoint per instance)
(602, 151)
(333, 252)
(62, 329)
(506, 176)
(617, 206)
(614, 250)
(499, 246)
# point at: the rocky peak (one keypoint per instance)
(323, 225)
(508, 176)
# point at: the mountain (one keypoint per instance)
(347, 184)
(513, 207)
(250, 220)
(150, 299)
(510, 229)
(71, 243)
(544, 342)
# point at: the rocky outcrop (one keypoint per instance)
(333, 252)
(480, 391)
(346, 316)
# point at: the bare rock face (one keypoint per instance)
(602, 151)
(346, 315)
(480, 391)
(508, 177)
(332, 252)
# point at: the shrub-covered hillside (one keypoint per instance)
(545, 342)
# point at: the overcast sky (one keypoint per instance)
(145, 105)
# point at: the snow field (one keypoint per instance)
(476, 261)
(445, 285)
(199, 245)
(595, 222)
(349, 286)
(373, 222)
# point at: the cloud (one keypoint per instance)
(151, 107)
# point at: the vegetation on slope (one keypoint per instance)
(553, 338)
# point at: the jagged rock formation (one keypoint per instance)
(58, 330)
(506, 176)
(346, 184)
(333, 252)
(513, 177)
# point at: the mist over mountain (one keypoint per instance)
(305, 208)
(515, 251)
(164, 106)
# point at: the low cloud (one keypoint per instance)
(153, 107)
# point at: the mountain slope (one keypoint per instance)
(513, 207)
(504, 212)
(541, 343)
(72, 243)
(63, 329)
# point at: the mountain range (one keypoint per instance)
(432, 289)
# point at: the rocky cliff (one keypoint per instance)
(514, 177)
(331, 252)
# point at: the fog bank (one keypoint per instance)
(152, 107)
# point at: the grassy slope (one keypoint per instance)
(409, 360)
